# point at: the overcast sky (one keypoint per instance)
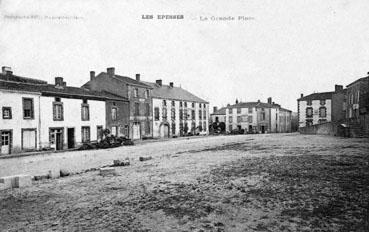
(288, 48)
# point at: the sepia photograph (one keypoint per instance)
(188, 116)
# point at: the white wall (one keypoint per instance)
(72, 118)
(17, 123)
(315, 105)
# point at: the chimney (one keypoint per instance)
(92, 75)
(6, 70)
(110, 71)
(269, 100)
(258, 100)
(59, 81)
(159, 82)
(338, 88)
(171, 84)
(228, 104)
(138, 77)
(236, 101)
(302, 95)
(64, 83)
(273, 103)
(215, 109)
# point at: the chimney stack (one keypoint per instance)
(110, 71)
(215, 109)
(258, 100)
(6, 70)
(269, 100)
(92, 75)
(171, 84)
(236, 101)
(302, 95)
(338, 88)
(159, 82)
(64, 83)
(59, 81)
(138, 77)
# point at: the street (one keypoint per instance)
(269, 182)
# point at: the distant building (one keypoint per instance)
(318, 108)
(132, 119)
(357, 112)
(176, 111)
(258, 117)
(36, 115)
(218, 115)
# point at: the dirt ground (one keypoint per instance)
(276, 182)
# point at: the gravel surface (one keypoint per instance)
(277, 182)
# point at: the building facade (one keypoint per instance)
(177, 112)
(218, 115)
(133, 118)
(258, 117)
(37, 116)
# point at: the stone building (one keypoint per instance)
(218, 115)
(176, 111)
(132, 119)
(258, 117)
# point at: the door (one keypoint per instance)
(71, 139)
(136, 131)
(56, 138)
(164, 131)
(29, 139)
(99, 130)
(59, 141)
(5, 142)
(262, 129)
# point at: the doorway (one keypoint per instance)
(71, 138)
(6, 141)
(164, 131)
(56, 138)
(136, 131)
(263, 129)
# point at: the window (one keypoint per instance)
(193, 105)
(99, 130)
(230, 127)
(147, 93)
(156, 113)
(239, 119)
(204, 115)
(180, 114)
(147, 127)
(250, 110)
(322, 102)
(180, 104)
(322, 112)
(164, 113)
(137, 108)
(309, 112)
(249, 119)
(193, 114)
(200, 114)
(85, 112)
(58, 110)
(309, 122)
(173, 128)
(113, 113)
(147, 109)
(164, 103)
(135, 92)
(185, 115)
(173, 103)
(7, 112)
(200, 105)
(230, 119)
(28, 108)
(309, 102)
(230, 111)
(173, 114)
(204, 127)
(238, 110)
(185, 104)
(262, 115)
(85, 134)
(114, 130)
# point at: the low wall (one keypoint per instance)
(327, 128)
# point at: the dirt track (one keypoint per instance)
(234, 183)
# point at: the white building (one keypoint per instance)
(177, 112)
(36, 115)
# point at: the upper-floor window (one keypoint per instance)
(180, 114)
(85, 112)
(147, 93)
(204, 114)
(147, 109)
(58, 114)
(249, 119)
(185, 104)
(238, 110)
(135, 92)
(173, 103)
(113, 113)
(193, 105)
(309, 112)
(156, 114)
(230, 111)
(200, 114)
(7, 113)
(28, 108)
(309, 102)
(250, 110)
(200, 105)
(322, 112)
(230, 119)
(185, 115)
(193, 114)
(239, 119)
(137, 108)
(173, 114)
(322, 102)
(164, 113)
(180, 104)
(164, 103)
(263, 115)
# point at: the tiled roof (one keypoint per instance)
(221, 111)
(125, 79)
(254, 104)
(15, 78)
(51, 90)
(175, 93)
(358, 80)
(317, 96)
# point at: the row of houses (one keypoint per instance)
(36, 115)
(254, 117)
(344, 111)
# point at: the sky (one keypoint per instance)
(285, 48)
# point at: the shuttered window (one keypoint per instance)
(85, 134)
(85, 112)
(28, 108)
(58, 111)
